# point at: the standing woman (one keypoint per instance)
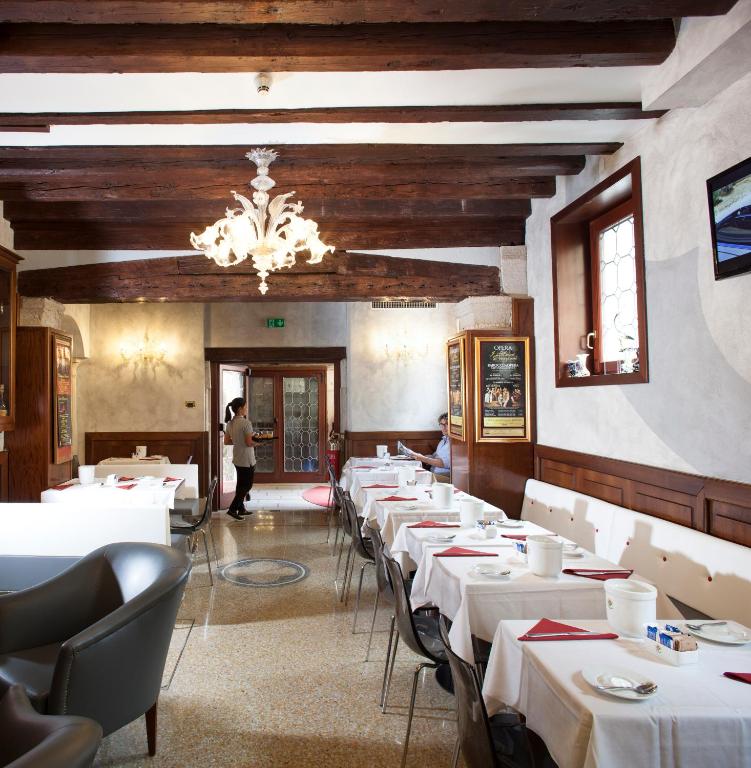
(239, 434)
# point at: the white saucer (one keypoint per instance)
(728, 634)
(568, 553)
(488, 571)
(441, 538)
(616, 676)
(407, 507)
(510, 523)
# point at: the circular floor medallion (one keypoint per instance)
(263, 572)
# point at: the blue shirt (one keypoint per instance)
(443, 452)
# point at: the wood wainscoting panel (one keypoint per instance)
(364, 443)
(178, 446)
(720, 508)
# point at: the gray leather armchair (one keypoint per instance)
(93, 641)
(31, 740)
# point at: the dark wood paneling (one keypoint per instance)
(249, 355)
(340, 277)
(501, 113)
(346, 11)
(344, 48)
(364, 443)
(4, 478)
(178, 446)
(30, 460)
(719, 507)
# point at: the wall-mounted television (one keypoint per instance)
(730, 219)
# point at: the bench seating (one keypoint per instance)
(710, 575)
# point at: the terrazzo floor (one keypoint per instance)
(275, 677)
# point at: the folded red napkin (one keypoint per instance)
(517, 536)
(433, 524)
(399, 498)
(554, 630)
(127, 487)
(149, 459)
(464, 552)
(741, 677)
(601, 574)
(364, 466)
(123, 479)
(62, 486)
(379, 485)
(166, 479)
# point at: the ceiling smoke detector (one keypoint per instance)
(263, 83)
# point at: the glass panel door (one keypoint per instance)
(261, 415)
(302, 419)
(233, 383)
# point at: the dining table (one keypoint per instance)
(413, 504)
(127, 491)
(696, 718)
(477, 602)
(135, 460)
(385, 475)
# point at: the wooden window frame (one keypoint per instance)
(576, 282)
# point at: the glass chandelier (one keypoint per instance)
(269, 232)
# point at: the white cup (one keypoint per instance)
(111, 480)
(443, 495)
(490, 531)
(544, 555)
(381, 450)
(630, 605)
(406, 475)
(470, 511)
(86, 474)
(141, 452)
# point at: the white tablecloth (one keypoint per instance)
(385, 476)
(147, 491)
(390, 516)
(130, 460)
(697, 718)
(476, 604)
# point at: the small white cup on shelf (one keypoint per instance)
(86, 474)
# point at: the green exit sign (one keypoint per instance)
(275, 322)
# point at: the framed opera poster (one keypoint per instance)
(502, 396)
(457, 392)
(62, 433)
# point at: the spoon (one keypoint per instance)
(706, 624)
(641, 688)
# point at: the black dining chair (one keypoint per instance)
(361, 547)
(332, 508)
(346, 529)
(499, 741)
(180, 527)
(31, 740)
(419, 632)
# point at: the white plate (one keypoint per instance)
(441, 538)
(729, 634)
(488, 571)
(510, 523)
(567, 553)
(617, 676)
(407, 507)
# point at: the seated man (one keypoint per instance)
(440, 460)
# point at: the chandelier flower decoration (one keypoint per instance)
(271, 233)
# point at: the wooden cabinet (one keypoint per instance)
(492, 463)
(39, 448)
(8, 302)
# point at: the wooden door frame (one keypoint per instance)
(215, 443)
(251, 356)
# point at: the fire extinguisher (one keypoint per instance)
(333, 453)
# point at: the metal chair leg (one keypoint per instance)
(348, 578)
(359, 594)
(391, 672)
(372, 625)
(346, 571)
(388, 659)
(457, 749)
(208, 556)
(420, 667)
(213, 544)
(330, 511)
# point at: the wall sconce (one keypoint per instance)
(404, 349)
(145, 352)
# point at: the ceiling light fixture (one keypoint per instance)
(271, 233)
(263, 83)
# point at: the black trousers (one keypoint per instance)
(244, 484)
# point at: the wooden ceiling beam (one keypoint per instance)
(365, 211)
(352, 277)
(345, 11)
(344, 235)
(231, 155)
(502, 113)
(164, 189)
(348, 48)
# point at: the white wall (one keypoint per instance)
(695, 413)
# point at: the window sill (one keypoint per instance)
(598, 380)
